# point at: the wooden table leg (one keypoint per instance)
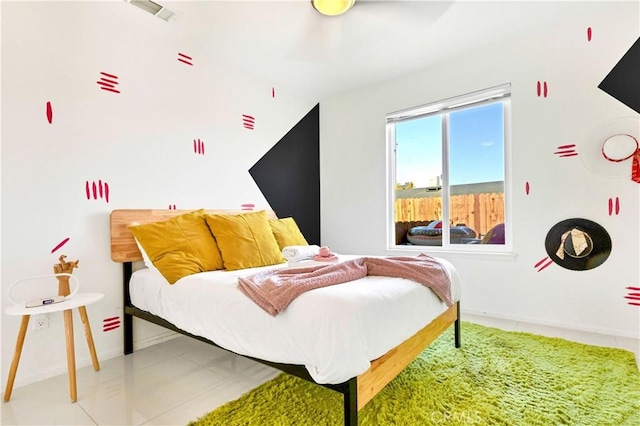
(71, 355)
(16, 357)
(87, 333)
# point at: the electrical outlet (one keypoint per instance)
(40, 322)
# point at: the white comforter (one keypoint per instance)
(334, 331)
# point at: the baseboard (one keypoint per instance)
(559, 324)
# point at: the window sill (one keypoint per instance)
(439, 252)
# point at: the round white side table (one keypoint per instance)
(78, 300)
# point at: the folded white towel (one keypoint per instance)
(295, 253)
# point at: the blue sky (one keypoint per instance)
(476, 152)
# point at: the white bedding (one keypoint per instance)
(333, 331)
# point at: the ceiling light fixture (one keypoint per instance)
(332, 7)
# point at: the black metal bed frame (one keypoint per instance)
(349, 388)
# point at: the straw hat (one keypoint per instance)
(613, 147)
(578, 244)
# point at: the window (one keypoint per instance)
(448, 173)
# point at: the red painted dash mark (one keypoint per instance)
(198, 147)
(611, 206)
(111, 323)
(172, 206)
(589, 33)
(100, 189)
(273, 92)
(60, 244)
(248, 121)
(526, 188)
(109, 83)
(566, 151)
(543, 263)
(541, 89)
(247, 206)
(185, 58)
(49, 113)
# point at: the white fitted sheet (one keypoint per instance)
(333, 331)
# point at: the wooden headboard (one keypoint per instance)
(124, 247)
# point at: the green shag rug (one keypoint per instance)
(495, 378)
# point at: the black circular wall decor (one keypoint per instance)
(578, 244)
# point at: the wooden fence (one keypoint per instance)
(481, 212)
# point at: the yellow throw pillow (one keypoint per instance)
(287, 232)
(180, 246)
(245, 240)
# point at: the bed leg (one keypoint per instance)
(128, 334)
(351, 403)
(127, 270)
(456, 325)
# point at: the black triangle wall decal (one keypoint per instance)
(623, 81)
(289, 175)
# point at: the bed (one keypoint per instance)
(353, 338)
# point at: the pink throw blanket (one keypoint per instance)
(274, 290)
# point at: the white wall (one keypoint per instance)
(140, 142)
(353, 170)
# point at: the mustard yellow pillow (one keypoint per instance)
(180, 246)
(287, 232)
(245, 240)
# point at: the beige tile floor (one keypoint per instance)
(179, 380)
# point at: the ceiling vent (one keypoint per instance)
(156, 9)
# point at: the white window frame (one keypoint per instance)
(500, 93)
